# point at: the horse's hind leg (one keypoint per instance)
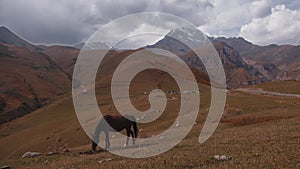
(107, 143)
(133, 137)
(94, 145)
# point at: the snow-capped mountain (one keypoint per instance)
(181, 40)
(93, 45)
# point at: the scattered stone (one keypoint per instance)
(66, 150)
(84, 90)
(154, 111)
(177, 124)
(31, 154)
(172, 98)
(185, 92)
(222, 157)
(5, 167)
(162, 137)
(105, 160)
(113, 136)
(52, 153)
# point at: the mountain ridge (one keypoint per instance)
(45, 72)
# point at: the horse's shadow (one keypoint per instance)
(91, 152)
(121, 148)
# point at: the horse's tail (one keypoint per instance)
(135, 128)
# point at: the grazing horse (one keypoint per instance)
(115, 124)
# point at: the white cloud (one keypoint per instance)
(69, 21)
(282, 26)
(229, 16)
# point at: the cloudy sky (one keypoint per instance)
(67, 21)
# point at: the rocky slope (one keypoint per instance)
(29, 77)
(276, 62)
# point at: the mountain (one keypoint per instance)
(30, 78)
(277, 62)
(93, 45)
(176, 41)
(8, 37)
(33, 75)
(238, 72)
(63, 56)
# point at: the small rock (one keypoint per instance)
(222, 157)
(5, 167)
(51, 153)
(105, 160)
(84, 90)
(162, 137)
(66, 151)
(217, 157)
(31, 154)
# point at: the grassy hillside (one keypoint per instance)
(257, 131)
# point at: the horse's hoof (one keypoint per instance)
(125, 145)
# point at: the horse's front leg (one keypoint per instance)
(107, 143)
(128, 135)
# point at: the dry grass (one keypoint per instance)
(263, 132)
(290, 87)
(248, 120)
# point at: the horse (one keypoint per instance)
(115, 124)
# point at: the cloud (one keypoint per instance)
(282, 26)
(45, 21)
(229, 16)
(68, 21)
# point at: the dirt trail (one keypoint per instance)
(263, 92)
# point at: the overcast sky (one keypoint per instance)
(71, 21)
